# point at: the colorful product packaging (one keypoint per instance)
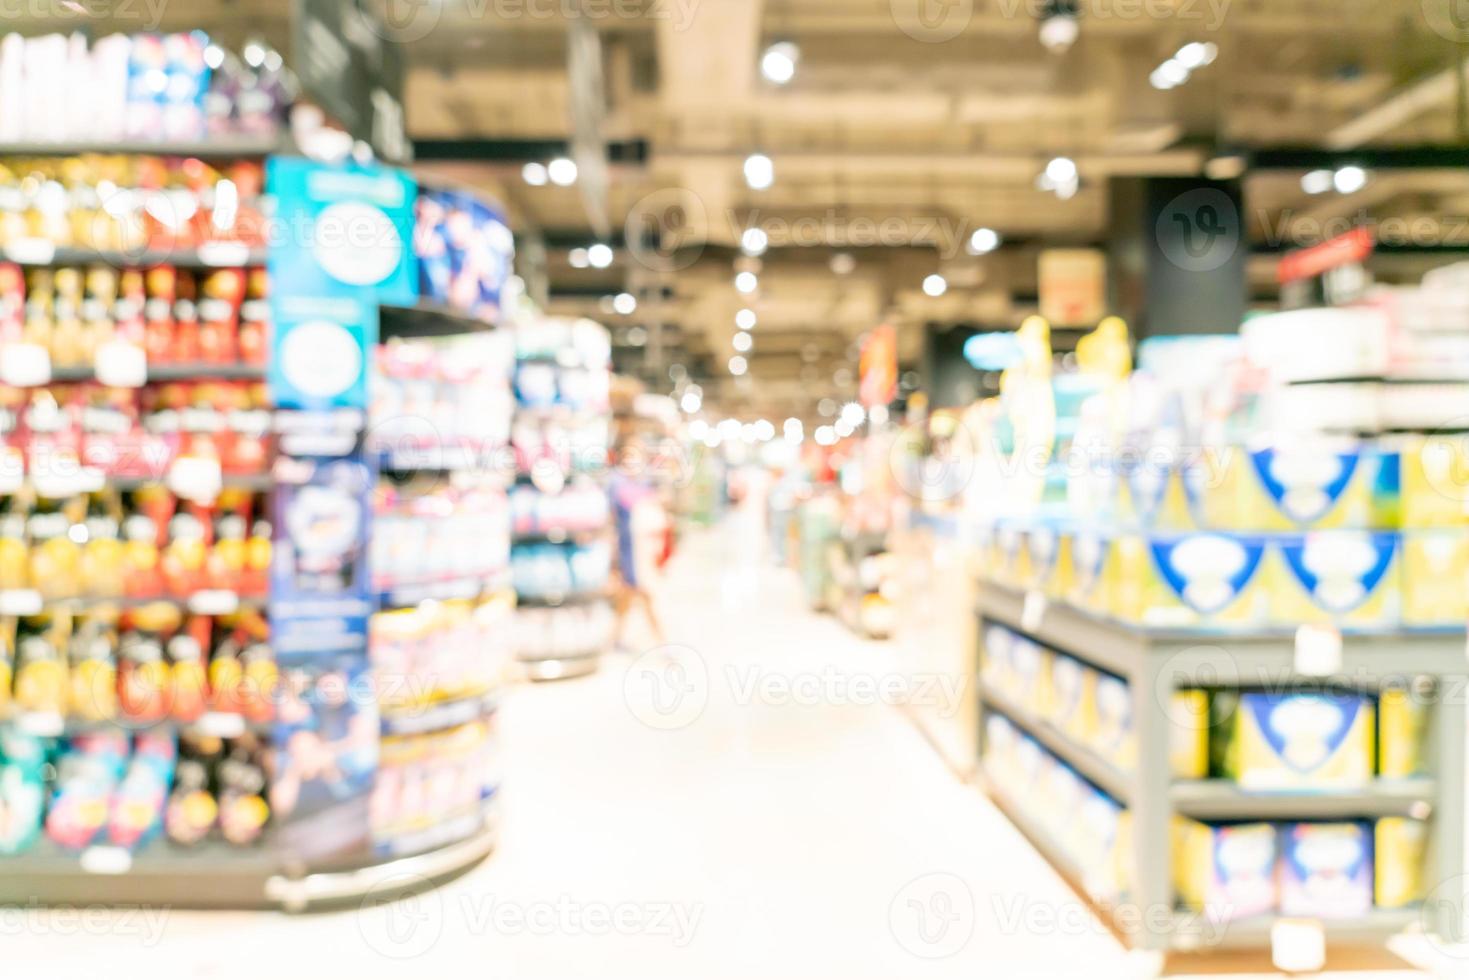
(1226, 871)
(1073, 698)
(1307, 484)
(1435, 578)
(1402, 729)
(1285, 741)
(1088, 582)
(1400, 845)
(1425, 483)
(1350, 579)
(1202, 579)
(1326, 870)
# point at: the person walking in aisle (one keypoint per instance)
(628, 490)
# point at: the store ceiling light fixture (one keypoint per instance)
(754, 241)
(825, 435)
(935, 285)
(778, 63)
(1318, 181)
(742, 342)
(747, 282)
(1187, 60)
(534, 174)
(1060, 176)
(562, 171)
(745, 319)
(738, 365)
(691, 403)
(1349, 179)
(983, 241)
(843, 263)
(599, 256)
(1059, 25)
(578, 258)
(759, 171)
(624, 303)
(764, 430)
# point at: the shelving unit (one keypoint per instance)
(1155, 663)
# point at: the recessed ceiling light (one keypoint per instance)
(600, 256)
(935, 285)
(738, 365)
(745, 319)
(1061, 170)
(624, 303)
(562, 171)
(637, 336)
(742, 342)
(778, 63)
(754, 241)
(534, 174)
(1317, 181)
(984, 240)
(1349, 179)
(747, 282)
(759, 171)
(578, 258)
(842, 263)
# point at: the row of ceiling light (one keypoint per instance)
(1187, 60)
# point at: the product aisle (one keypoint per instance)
(730, 847)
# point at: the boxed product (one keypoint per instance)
(1326, 870)
(1425, 482)
(1100, 823)
(1306, 483)
(1154, 493)
(1349, 579)
(1283, 741)
(1402, 729)
(994, 664)
(1435, 578)
(1200, 579)
(1031, 663)
(1049, 560)
(1188, 741)
(1073, 700)
(1225, 870)
(1400, 845)
(1088, 583)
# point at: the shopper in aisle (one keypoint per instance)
(629, 490)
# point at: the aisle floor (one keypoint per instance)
(740, 810)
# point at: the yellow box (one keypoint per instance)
(1402, 726)
(1306, 484)
(1115, 739)
(1188, 736)
(1399, 848)
(1087, 582)
(1295, 740)
(1349, 579)
(1030, 665)
(1425, 483)
(1048, 565)
(1226, 871)
(1199, 579)
(1153, 494)
(1435, 578)
(1073, 698)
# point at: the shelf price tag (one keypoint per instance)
(31, 251)
(120, 364)
(196, 478)
(25, 365)
(224, 254)
(221, 724)
(214, 602)
(20, 602)
(1033, 611)
(1318, 651)
(41, 724)
(1297, 945)
(107, 860)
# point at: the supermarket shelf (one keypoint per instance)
(169, 372)
(436, 459)
(458, 827)
(570, 599)
(426, 319)
(1220, 799)
(223, 256)
(563, 666)
(210, 876)
(214, 602)
(1241, 659)
(411, 594)
(214, 724)
(439, 715)
(557, 535)
(1375, 927)
(224, 146)
(1101, 772)
(256, 482)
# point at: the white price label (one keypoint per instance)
(25, 365)
(41, 724)
(196, 478)
(1034, 611)
(1318, 651)
(65, 477)
(12, 470)
(31, 251)
(107, 860)
(214, 602)
(224, 253)
(1298, 945)
(20, 602)
(221, 724)
(121, 364)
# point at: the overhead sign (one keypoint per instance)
(878, 367)
(1073, 286)
(347, 63)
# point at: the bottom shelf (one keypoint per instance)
(563, 666)
(1185, 930)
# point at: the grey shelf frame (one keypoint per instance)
(1155, 663)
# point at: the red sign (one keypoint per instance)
(1342, 250)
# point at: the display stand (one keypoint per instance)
(1155, 663)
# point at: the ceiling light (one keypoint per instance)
(1059, 32)
(1349, 179)
(754, 241)
(745, 319)
(624, 303)
(1173, 72)
(690, 403)
(534, 174)
(254, 54)
(677, 372)
(748, 434)
(578, 258)
(1061, 170)
(1193, 55)
(844, 428)
(562, 171)
(698, 428)
(637, 336)
(826, 407)
(842, 263)
(825, 435)
(214, 56)
(747, 282)
(599, 256)
(729, 428)
(764, 430)
(759, 171)
(853, 413)
(1317, 181)
(778, 63)
(1161, 80)
(984, 240)
(738, 365)
(742, 342)
(935, 285)
(793, 429)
